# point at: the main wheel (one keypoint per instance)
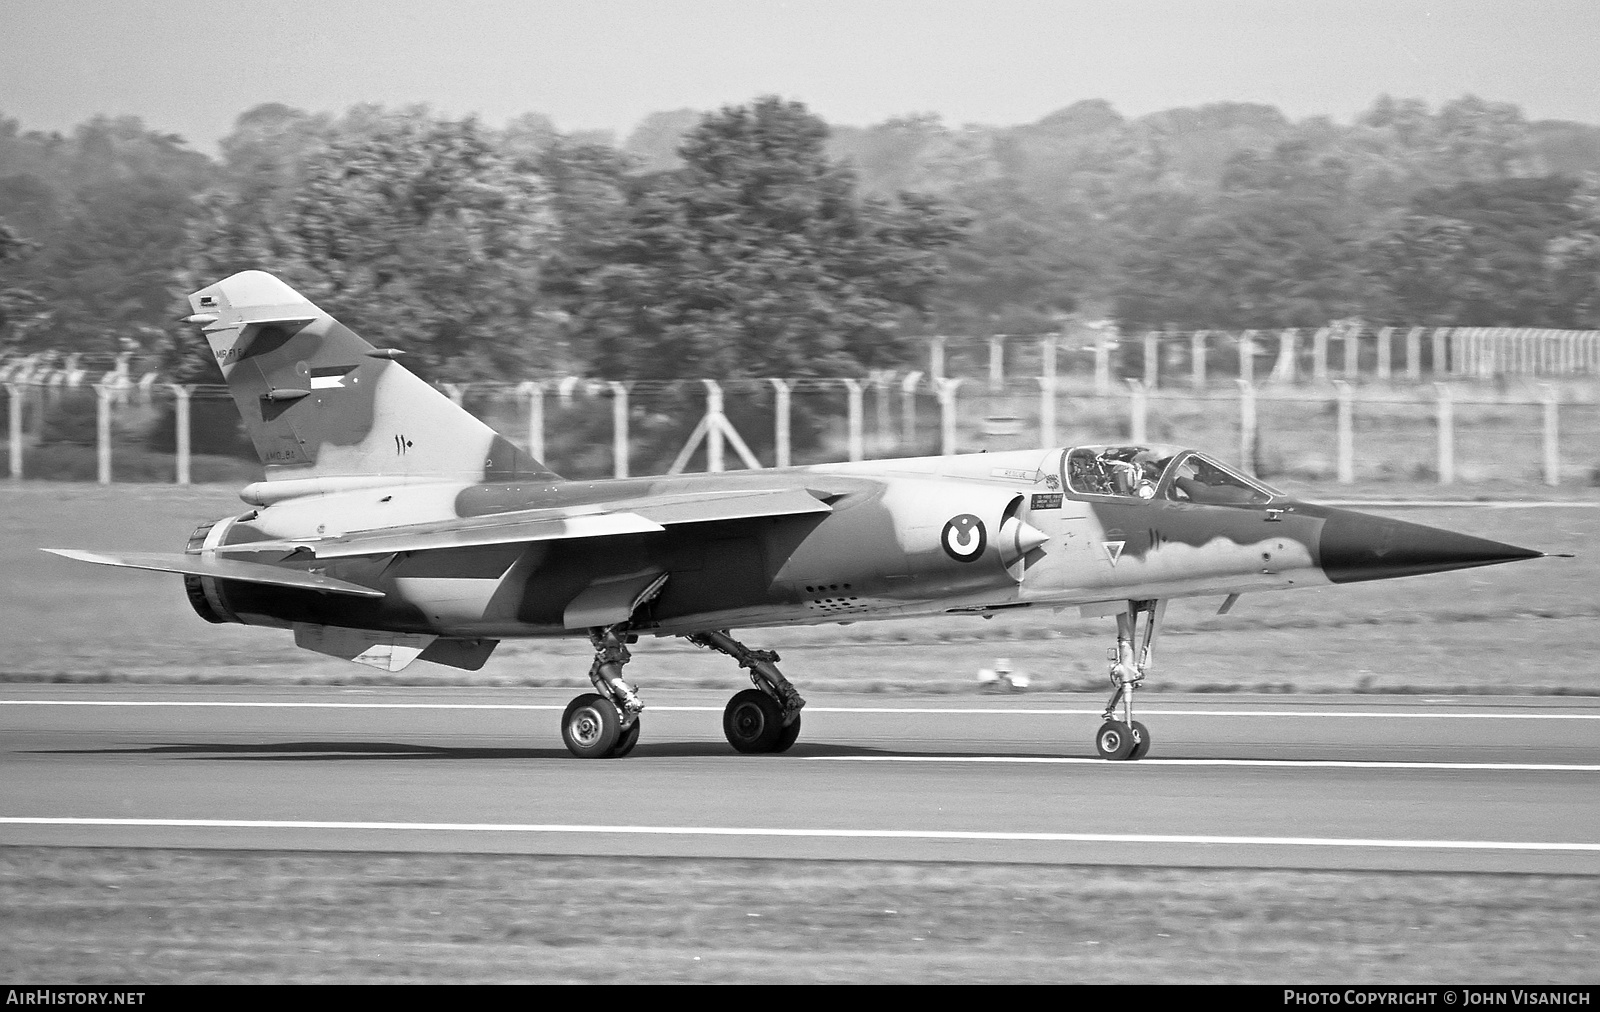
(626, 740)
(1141, 737)
(1114, 740)
(753, 722)
(788, 737)
(590, 727)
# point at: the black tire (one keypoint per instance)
(752, 722)
(626, 740)
(1141, 737)
(590, 726)
(788, 737)
(1113, 740)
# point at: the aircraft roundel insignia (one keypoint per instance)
(964, 538)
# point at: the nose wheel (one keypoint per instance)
(1128, 738)
(1119, 740)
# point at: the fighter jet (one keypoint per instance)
(393, 525)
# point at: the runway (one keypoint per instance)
(1412, 783)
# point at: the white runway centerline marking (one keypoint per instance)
(1459, 503)
(966, 710)
(880, 834)
(1378, 764)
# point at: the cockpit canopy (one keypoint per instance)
(1159, 472)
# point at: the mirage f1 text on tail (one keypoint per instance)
(393, 525)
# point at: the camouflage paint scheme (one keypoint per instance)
(377, 482)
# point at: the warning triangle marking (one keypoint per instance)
(1113, 550)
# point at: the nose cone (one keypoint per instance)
(1358, 546)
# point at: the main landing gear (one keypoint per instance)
(1127, 738)
(604, 724)
(765, 719)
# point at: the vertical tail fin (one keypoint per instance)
(318, 401)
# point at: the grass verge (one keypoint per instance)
(174, 916)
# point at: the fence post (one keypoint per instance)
(1447, 434)
(1102, 360)
(1347, 431)
(180, 427)
(936, 358)
(880, 404)
(1441, 351)
(534, 390)
(947, 415)
(1414, 354)
(1552, 434)
(780, 423)
(619, 429)
(1352, 352)
(1136, 410)
(856, 441)
(1197, 359)
(1047, 360)
(1283, 371)
(1047, 384)
(1319, 356)
(1247, 356)
(1247, 426)
(1385, 354)
(908, 408)
(997, 363)
(14, 395)
(713, 431)
(102, 431)
(1152, 358)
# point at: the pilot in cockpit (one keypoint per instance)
(1198, 480)
(1116, 470)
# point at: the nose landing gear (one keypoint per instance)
(1127, 738)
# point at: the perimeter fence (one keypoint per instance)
(1456, 432)
(1200, 359)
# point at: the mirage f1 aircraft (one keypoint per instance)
(394, 525)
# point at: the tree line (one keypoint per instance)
(759, 241)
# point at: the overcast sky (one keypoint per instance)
(191, 66)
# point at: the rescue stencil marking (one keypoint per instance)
(964, 538)
(1015, 474)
